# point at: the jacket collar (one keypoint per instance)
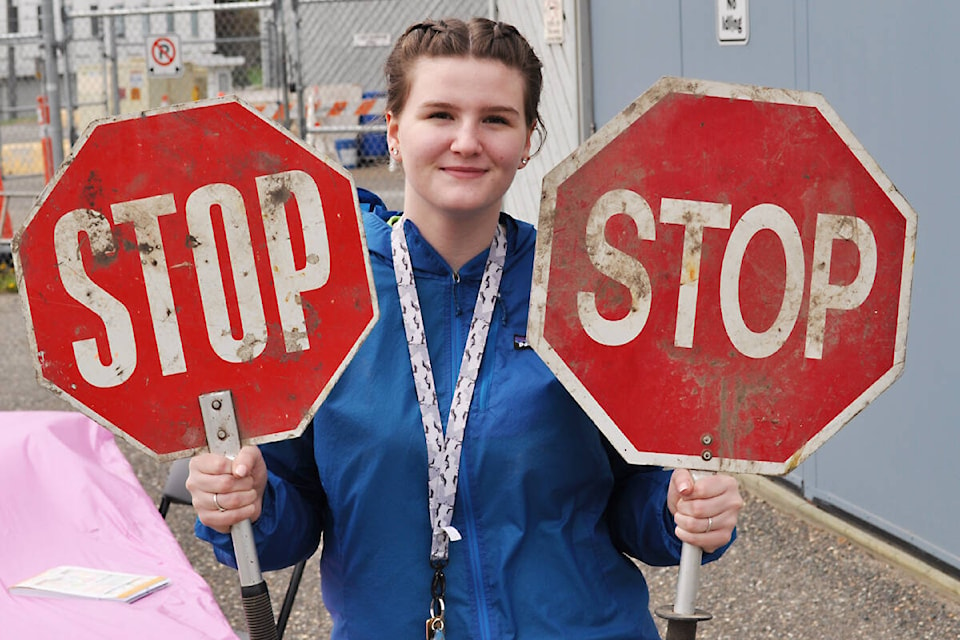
(520, 239)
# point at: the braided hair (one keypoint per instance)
(478, 38)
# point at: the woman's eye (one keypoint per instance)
(442, 115)
(498, 120)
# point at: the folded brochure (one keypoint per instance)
(83, 582)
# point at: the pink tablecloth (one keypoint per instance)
(68, 496)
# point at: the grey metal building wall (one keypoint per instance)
(890, 69)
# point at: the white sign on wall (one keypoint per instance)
(733, 22)
(372, 40)
(553, 21)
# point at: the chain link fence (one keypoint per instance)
(21, 166)
(315, 66)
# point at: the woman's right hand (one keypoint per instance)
(227, 491)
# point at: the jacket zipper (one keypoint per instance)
(463, 486)
(483, 381)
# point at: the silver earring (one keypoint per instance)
(395, 151)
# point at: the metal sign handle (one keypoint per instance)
(683, 616)
(223, 437)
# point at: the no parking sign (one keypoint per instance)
(164, 59)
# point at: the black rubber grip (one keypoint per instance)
(258, 612)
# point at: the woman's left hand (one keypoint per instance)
(705, 511)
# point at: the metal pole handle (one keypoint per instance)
(688, 579)
(683, 617)
(223, 437)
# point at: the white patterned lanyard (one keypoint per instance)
(444, 453)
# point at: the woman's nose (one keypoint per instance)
(466, 141)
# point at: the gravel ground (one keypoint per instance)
(788, 576)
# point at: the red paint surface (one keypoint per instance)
(665, 398)
(178, 152)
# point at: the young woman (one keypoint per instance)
(452, 478)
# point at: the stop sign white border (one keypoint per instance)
(541, 273)
(292, 431)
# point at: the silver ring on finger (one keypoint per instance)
(216, 501)
(709, 525)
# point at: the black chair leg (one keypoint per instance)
(164, 506)
(288, 599)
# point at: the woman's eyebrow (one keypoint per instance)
(440, 104)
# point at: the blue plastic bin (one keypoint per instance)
(373, 146)
(347, 152)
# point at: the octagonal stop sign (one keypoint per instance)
(191, 251)
(722, 277)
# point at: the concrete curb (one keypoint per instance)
(791, 502)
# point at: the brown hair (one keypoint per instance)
(478, 38)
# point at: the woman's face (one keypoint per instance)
(461, 136)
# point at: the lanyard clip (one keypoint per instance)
(438, 588)
(435, 628)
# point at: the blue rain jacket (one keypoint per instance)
(547, 511)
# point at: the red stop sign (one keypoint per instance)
(722, 277)
(189, 251)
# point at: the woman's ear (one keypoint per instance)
(526, 147)
(393, 138)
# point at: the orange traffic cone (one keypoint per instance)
(6, 225)
(6, 234)
(46, 144)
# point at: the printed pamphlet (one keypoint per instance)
(83, 582)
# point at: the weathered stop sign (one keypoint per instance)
(722, 277)
(190, 251)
